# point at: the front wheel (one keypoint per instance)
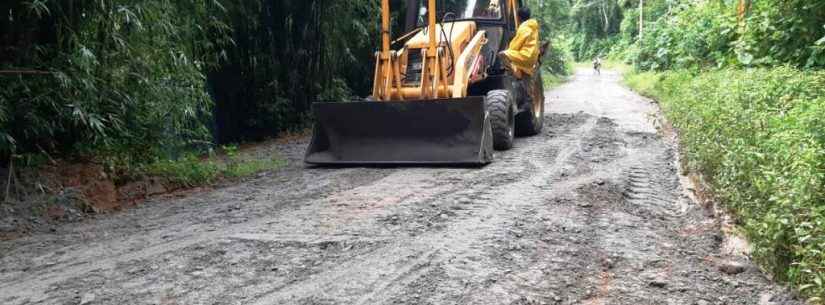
(502, 118)
(531, 121)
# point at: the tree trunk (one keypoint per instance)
(606, 17)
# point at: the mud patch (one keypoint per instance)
(418, 221)
(559, 123)
(315, 301)
(606, 194)
(544, 253)
(642, 139)
(601, 145)
(431, 288)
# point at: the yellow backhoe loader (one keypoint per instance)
(441, 97)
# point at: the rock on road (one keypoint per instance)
(591, 211)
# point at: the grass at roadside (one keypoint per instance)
(552, 80)
(643, 83)
(758, 137)
(191, 171)
(618, 66)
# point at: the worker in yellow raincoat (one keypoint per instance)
(523, 53)
(521, 59)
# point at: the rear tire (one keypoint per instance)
(531, 121)
(502, 118)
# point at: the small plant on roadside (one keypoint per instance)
(237, 166)
(231, 161)
(231, 151)
(251, 167)
(188, 171)
(191, 170)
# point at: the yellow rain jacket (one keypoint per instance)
(523, 51)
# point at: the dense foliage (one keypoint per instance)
(595, 26)
(124, 75)
(137, 80)
(712, 34)
(709, 34)
(705, 34)
(288, 54)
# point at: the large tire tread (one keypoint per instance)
(499, 105)
(528, 123)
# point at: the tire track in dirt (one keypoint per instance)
(455, 238)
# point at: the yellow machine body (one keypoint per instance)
(419, 110)
(439, 77)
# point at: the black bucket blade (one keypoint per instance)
(448, 131)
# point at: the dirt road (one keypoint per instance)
(590, 212)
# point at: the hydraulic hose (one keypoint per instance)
(449, 41)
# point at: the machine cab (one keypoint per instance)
(471, 63)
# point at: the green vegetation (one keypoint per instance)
(191, 170)
(287, 54)
(236, 164)
(644, 83)
(251, 167)
(683, 34)
(127, 83)
(552, 80)
(188, 171)
(121, 77)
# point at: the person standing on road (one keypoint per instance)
(597, 65)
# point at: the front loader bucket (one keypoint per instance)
(448, 131)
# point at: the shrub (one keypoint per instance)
(709, 34)
(783, 31)
(557, 61)
(699, 35)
